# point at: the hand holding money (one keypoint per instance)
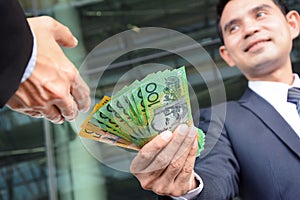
(165, 164)
(139, 112)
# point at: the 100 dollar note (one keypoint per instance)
(142, 110)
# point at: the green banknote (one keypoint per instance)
(139, 100)
(125, 114)
(105, 127)
(108, 116)
(145, 108)
(166, 101)
(126, 99)
(111, 119)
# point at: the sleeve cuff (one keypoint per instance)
(193, 193)
(31, 64)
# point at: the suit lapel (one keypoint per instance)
(273, 120)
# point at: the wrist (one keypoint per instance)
(194, 182)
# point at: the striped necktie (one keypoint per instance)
(294, 97)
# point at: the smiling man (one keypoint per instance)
(258, 39)
(257, 155)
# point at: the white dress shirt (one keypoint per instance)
(31, 64)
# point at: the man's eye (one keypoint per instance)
(233, 28)
(260, 14)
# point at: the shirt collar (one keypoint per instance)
(296, 82)
(273, 92)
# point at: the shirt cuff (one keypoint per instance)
(31, 64)
(193, 193)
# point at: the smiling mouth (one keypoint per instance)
(256, 43)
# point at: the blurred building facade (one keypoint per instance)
(39, 160)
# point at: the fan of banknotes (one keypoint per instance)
(140, 111)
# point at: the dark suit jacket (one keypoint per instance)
(257, 155)
(15, 48)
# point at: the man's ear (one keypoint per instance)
(293, 20)
(226, 56)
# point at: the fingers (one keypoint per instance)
(183, 155)
(78, 93)
(77, 87)
(158, 153)
(67, 108)
(140, 165)
(64, 37)
(178, 178)
(34, 114)
(53, 29)
(81, 94)
(77, 99)
(49, 112)
(62, 34)
(186, 144)
(188, 168)
(166, 167)
(167, 154)
(149, 152)
(52, 114)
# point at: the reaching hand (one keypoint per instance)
(165, 165)
(55, 89)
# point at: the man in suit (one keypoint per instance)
(257, 153)
(36, 78)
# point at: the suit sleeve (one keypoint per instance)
(16, 47)
(218, 168)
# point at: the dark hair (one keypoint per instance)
(222, 3)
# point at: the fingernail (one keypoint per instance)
(85, 109)
(71, 119)
(182, 129)
(58, 122)
(195, 143)
(193, 131)
(76, 41)
(166, 135)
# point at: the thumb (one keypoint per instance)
(45, 25)
(64, 36)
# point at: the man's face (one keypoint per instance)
(257, 36)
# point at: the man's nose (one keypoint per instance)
(251, 27)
